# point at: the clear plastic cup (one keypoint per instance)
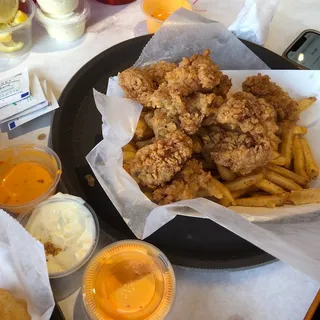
(43, 156)
(65, 283)
(128, 279)
(116, 2)
(58, 7)
(21, 34)
(68, 27)
(157, 11)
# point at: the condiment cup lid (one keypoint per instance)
(79, 16)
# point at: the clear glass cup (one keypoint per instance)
(44, 156)
(20, 34)
(157, 11)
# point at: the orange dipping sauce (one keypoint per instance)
(24, 182)
(128, 280)
(158, 11)
(161, 15)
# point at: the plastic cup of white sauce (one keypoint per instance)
(67, 27)
(58, 7)
(69, 230)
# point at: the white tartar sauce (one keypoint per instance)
(68, 226)
(58, 7)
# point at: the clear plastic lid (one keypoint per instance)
(79, 16)
(129, 279)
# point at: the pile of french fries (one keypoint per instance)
(285, 179)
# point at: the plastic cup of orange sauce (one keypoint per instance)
(29, 174)
(128, 280)
(157, 11)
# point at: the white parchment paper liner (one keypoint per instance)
(23, 268)
(186, 33)
(290, 233)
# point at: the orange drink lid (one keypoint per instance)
(128, 280)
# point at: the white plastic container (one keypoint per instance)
(68, 27)
(58, 7)
(64, 230)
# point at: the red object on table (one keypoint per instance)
(116, 2)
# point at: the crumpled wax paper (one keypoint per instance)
(185, 33)
(23, 268)
(290, 233)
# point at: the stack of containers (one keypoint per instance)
(64, 20)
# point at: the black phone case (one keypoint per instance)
(285, 53)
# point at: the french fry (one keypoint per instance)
(244, 182)
(225, 173)
(300, 130)
(141, 144)
(126, 167)
(281, 161)
(305, 103)
(143, 131)
(305, 196)
(225, 202)
(274, 145)
(275, 141)
(128, 156)
(214, 188)
(263, 201)
(275, 138)
(202, 194)
(223, 190)
(280, 130)
(129, 147)
(269, 187)
(298, 157)
(275, 155)
(281, 181)
(242, 192)
(281, 114)
(149, 195)
(310, 165)
(286, 146)
(289, 174)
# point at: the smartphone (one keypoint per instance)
(304, 51)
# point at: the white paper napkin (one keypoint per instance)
(23, 268)
(253, 21)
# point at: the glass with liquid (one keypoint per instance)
(157, 11)
(128, 280)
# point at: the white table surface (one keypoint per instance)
(275, 291)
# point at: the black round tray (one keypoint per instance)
(57, 313)
(187, 241)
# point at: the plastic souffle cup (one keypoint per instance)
(129, 279)
(157, 11)
(64, 283)
(68, 27)
(43, 156)
(58, 7)
(16, 41)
